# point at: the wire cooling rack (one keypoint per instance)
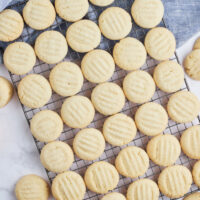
(110, 153)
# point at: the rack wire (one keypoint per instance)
(29, 35)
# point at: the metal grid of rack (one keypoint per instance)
(55, 103)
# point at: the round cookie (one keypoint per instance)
(193, 196)
(196, 174)
(147, 13)
(97, 66)
(72, 10)
(197, 44)
(114, 196)
(69, 186)
(46, 126)
(83, 36)
(89, 144)
(34, 91)
(190, 142)
(32, 187)
(169, 76)
(101, 177)
(132, 162)
(183, 107)
(115, 23)
(101, 3)
(164, 150)
(51, 47)
(151, 119)
(19, 58)
(108, 98)
(77, 112)
(143, 189)
(11, 25)
(38, 14)
(119, 129)
(6, 91)
(175, 181)
(160, 43)
(57, 156)
(129, 54)
(191, 64)
(66, 79)
(139, 86)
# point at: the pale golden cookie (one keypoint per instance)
(115, 23)
(119, 129)
(77, 112)
(197, 44)
(194, 196)
(32, 187)
(151, 119)
(101, 3)
(46, 126)
(147, 13)
(101, 177)
(97, 66)
(164, 150)
(183, 107)
(34, 91)
(192, 64)
(83, 36)
(6, 91)
(196, 173)
(39, 14)
(132, 162)
(143, 189)
(57, 156)
(108, 98)
(66, 79)
(169, 76)
(89, 144)
(139, 86)
(11, 25)
(19, 58)
(160, 43)
(51, 47)
(190, 142)
(68, 186)
(175, 181)
(114, 196)
(71, 10)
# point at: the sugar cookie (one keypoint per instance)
(46, 126)
(160, 43)
(193, 196)
(83, 36)
(190, 142)
(68, 186)
(164, 150)
(19, 58)
(119, 129)
(11, 25)
(97, 66)
(197, 44)
(77, 112)
(101, 3)
(72, 10)
(115, 23)
(147, 13)
(89, 144)
(169, 76)
(196, 173)
(132, 162)
(114, 196)
(51, 47)
(175, 181)
(108, 98)
(66, 79)
(100, 177)
(151, 119)
(32, 187)
(34, 91)
(183, 107)
(139, 86)
(143, 189)
(6, 91)
(39, 14)
(191, 64)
